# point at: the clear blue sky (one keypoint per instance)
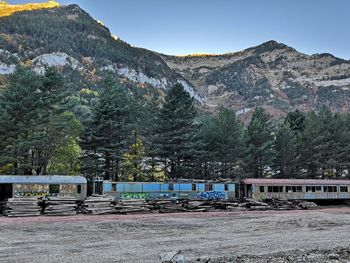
(219, 26)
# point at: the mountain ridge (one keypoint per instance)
(272, 74)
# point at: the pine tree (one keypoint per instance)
(107, 137)
(311, 141)
(260, 143)
(296, 121)
(175, 138)
(33, 124)
(286, 158)
(18, 115)
(224, 140)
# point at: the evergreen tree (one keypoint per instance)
(107, 136)
(311, 141)
(18, 114)
(296, 121)
(224, 140)
(33, 125)
(286, 158)
(260, 143)
(175, 137)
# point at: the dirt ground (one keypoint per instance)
(289, 236)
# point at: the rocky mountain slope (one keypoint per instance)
(69, 38)
(272, 74)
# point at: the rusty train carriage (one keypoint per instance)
(295, 189)
(37, 186)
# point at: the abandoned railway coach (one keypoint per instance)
(295, 189)
(166, 190)
(26, 186)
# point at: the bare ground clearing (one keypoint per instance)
(142, 238)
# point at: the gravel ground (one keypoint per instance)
(270, 236)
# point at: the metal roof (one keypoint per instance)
(295, 181)
(51, 179)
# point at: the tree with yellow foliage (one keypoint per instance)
(131, 165)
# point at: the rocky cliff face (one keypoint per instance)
(271, 75)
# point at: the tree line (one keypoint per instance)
(130, 138)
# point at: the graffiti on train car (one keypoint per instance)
(262, 196)
(33, 190)
(29, 194)
(213, 195)
(134, 195)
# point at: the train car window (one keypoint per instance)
(226, 187)
(299, 189)
(54, 189)
(330, 189)
(269, 189)
(344, 189)
(194, 187)
(311, 189)
(171, 187)
(208, 187)
(262, 189)
(79, 189)
(318, 188)
(277, 189)
(114, 187)
(289, 189)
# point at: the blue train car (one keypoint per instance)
(166, 190)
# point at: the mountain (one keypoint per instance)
(69, 38)
(272, 75)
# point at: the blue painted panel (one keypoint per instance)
(218, 187)
(232, 187)
(107, 187)
(176, 187)
(151, 187)
(132, 188)
(164, 187)
(185, 187)
(200, 187)
(120, 188)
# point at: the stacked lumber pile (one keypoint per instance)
(177, 206)
(60, 206)
(20, 207)
(198, 205)
(276, 204)
(166, 206)
(130, 206)
(98, 205)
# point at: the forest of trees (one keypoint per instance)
(130, 138)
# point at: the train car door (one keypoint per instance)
(249, 191)
(98, 187)
(6, 191)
